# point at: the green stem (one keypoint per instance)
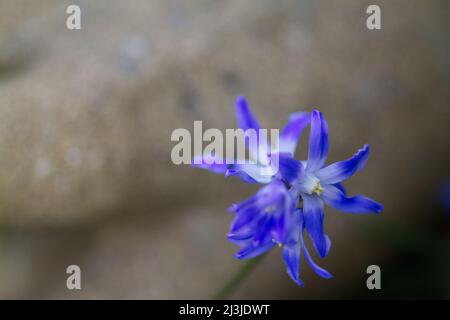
(234, 282)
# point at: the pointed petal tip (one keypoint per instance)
(322, 250)
(379, 209)
(316, 114)
(243, 110)
(365, 148)
(295, 278)
(231, 236)
(244, 116)
(374, 207)
(299, 282)
(233, 208)
(241, 102)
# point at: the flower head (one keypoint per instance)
(263, 220)
(318, 184)
(292, 200)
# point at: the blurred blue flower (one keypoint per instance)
(258, 172)
(263, 220)
(293, 198)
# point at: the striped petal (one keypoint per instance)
(318, 142)
(343, 170)
(335, 198)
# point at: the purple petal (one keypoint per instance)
(210, 163)
(319, 270)
(291, 133)
(253, 251)
(296, 227)
(246, 121)
(318, 142)
(251, 172)
(357, 204)
(341, 187)
(268, 213)
(236, 171)
(284, 220)
(242, 239)
(263, 230)
(291, 258)
(343, 170)
(289, 169)
(244, 218)
(313, 216)
(244, 116)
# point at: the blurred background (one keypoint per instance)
(86, 118)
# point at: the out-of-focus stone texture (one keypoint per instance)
(86, 118)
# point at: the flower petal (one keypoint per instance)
(313, 216)
(263, 230)
(265, 216)
(244, 116)
(343, 170)
(341, 187)
(242, 239)
(291, 258)
(284, 220)
(292, 131)
(210, 163)
(252, 172)
(319, 270)
(233, 171)
(318, 142)
(357, 204)
(244, 218)
(246, 121)
(289, 169)
(253, 251)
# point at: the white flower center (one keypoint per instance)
(310, 184)
(317, 189)
(270, 209)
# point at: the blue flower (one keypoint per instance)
(263, 220)
(293, 197)
(318, 184)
